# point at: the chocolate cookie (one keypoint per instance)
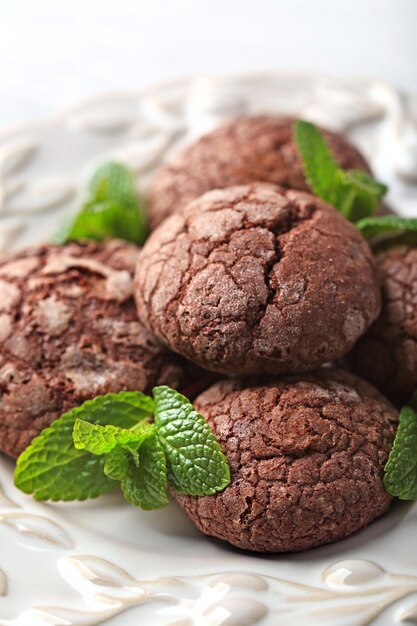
(257, 279)
(241, 151)
(68, 332)
(306, 455)
(387, 354)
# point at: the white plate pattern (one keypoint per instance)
(99, 562)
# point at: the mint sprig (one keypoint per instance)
(387, 225)
(112, 438)
(354, 193)
(51, 468)
(112, 209)
(400, 477)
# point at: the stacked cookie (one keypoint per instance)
(247, 278)
(250, 276)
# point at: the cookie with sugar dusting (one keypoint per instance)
(243, 150)
(257, 279)
(68, 332)
(306, 455)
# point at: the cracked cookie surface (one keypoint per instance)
(255, 279)
(387, 354)
(306, 455)
(68, 332)
(241, 151)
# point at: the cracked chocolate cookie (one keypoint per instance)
(387, 354)
(68, 332)
(257, 279)
(306, 454)
(241, 151)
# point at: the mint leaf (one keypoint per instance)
(51, 468)
(363, 183)
(146, 485)
(95, 438)
(354, 193)
(116, 465)
(100, 221)
(112, 210)
(401, 469)
(115, 183)
(320, 168)
(362, 195)
(102, 439)
(197, 465)
(371, 227)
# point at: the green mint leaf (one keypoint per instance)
(320, 168)
(100, 221)
(110, 438)
(360, 195)
(371, 227)
(99, 439)
(354, 193)
(51, 468)
(197, 465)
(117, 463)
(95, 438)
(146, 485)
(112, 210)
(364, 183)
(401, 469)
(113, 182)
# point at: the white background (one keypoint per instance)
(56, 52)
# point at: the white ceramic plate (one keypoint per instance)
(105, 561)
